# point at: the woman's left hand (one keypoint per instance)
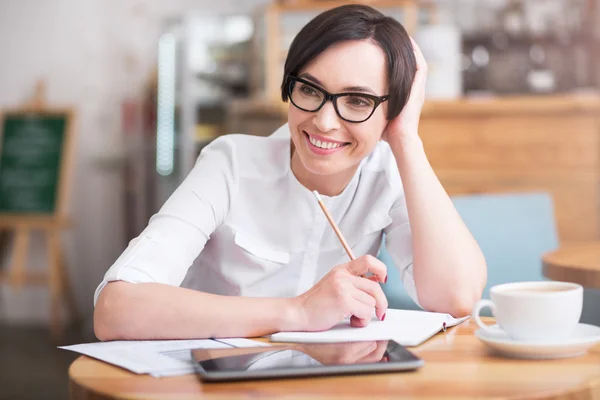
(407, 122)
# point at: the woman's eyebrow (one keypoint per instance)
(364, 89)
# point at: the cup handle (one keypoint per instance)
(478, 307)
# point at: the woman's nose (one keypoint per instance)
(326, 119)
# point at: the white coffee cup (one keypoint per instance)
(543, 311)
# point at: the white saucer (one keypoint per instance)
(584, 337)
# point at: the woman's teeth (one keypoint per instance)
(324, 145)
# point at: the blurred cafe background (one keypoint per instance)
(511, 125)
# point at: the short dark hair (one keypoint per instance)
(356, 22)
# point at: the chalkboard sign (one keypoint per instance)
(32, 153)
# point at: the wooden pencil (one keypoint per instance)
(334, 225)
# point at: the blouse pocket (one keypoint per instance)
(255, 267)
(259, 250)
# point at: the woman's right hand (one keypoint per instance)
(342, 293)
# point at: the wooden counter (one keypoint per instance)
(577, 262)
(522, 144)
(513, 105)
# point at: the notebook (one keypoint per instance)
(407, 327)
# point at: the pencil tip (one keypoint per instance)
(317, 195)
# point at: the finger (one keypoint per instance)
(373, 290)
(421, 74)
(373, 278)
(364, 347)
(357, 322)
(358, 351)
(377, 353)
(421, 62)
(368, 263)
(368, 348)
(364, 297)
(361, 311)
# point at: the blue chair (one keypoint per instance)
(512, 230)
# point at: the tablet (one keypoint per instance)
(308, 360)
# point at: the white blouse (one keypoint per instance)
(241, 224)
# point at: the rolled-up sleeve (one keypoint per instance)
(176, 235)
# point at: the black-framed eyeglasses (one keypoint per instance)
(353, 107)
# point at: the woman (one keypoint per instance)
(242, 248)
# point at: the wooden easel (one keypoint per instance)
(51, 226)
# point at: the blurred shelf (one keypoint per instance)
(327, 4)
(275, 30)
(551, 104)
(518, 105)
(204, 133)
(229, 57)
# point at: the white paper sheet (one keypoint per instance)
(241, 342)
(156, 357)
(407, 327)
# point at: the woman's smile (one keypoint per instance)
(323, 146)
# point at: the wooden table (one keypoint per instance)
(577, 262)
(457, 365)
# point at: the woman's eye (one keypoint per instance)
(358, 102)
(308, 90)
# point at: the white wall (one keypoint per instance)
(93, 54)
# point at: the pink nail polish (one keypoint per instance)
(383, 317)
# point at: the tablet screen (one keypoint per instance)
(313, 356)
